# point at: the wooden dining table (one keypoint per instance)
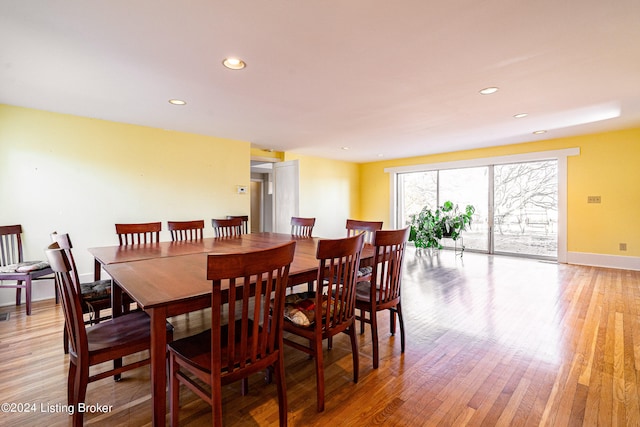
(170, 278)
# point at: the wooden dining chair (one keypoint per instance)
(227, 227)
(251, 286)
(382, 292)
(330, 310)
(186, 230)
(134, 234)
(104, 342)
(302, 227)
(14, 268)
(245, 222)
(95, 297)
(368, 228)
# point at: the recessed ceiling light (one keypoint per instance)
(177, 102)
(345, 148)
(489, 90)
(234, 63)
(538, 132)
(521, 115)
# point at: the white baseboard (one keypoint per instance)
(601, 260)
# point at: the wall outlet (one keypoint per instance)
(594, 199)
(623, 246)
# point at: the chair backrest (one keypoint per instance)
(339, 261)
(256, 283)
(245, 222)
(133, 234)
(387, 268)
(368, 228)
(302, 227)
(227, 227)
(186, 230)
(71, 303)
(10, 244)
(64, 242)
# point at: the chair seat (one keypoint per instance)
(91, 291)
(299, 308)
(24, 267)
(363, 292)
(196, 349)
(125, 332)
(365, 271)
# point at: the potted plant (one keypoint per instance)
(429, 226)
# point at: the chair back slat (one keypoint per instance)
(186, 230)
(368, 228)
(227, 227)
(64, 242)
(244, 228)
(302, 227)
(136, 234)
(256, 283)
(70, 297)
(337, 275)
(10, 244)
(387, 269)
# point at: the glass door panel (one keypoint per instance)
(526, 209)
(415, 191)
(469, 186)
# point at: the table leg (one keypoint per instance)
(158, 365)
(116, 299)
(97, 270)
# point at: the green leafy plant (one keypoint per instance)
(429, 227)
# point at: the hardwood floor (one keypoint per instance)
(490, 341)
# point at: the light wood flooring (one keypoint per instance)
(490, 341)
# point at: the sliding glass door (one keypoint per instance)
(516, 204)
(526, 209)
(469, 186)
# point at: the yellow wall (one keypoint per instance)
(608, 166)
(329, 191)
(81, 176)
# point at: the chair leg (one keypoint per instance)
(27, 294)
(354, 351)
(374, 338)
(317, 345)
(401, 320)
(174, 391)
(216, 403)
(117, 363)
(19, 292)
(80, 391)
(362, 322)
(282, 389)
(392, 321)
(65, 339)
(244, 386)
(71, 384)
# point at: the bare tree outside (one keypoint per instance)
(526, 208)
(416, 190)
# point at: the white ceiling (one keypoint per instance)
(387, 79)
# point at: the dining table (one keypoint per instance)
(167, 279)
